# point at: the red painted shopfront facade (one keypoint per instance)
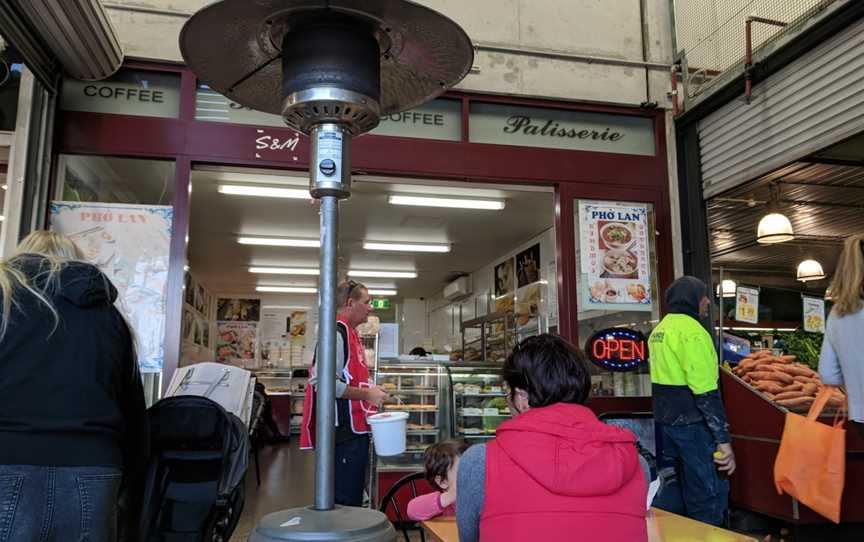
(573, 174)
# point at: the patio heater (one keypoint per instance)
(332, 69)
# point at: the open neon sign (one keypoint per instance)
(618, 349)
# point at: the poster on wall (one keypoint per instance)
(528, 266)
(240, 310)
(527, 305)
(747, 304)
(814, 314)
(235, 343)
(188, 326)
(615, 254)
(504, 277)
(131, 245)
(297, 327)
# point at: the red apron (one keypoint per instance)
(356, 374)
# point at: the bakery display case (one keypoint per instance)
(488, 338)
(478, 400)
(420, 389)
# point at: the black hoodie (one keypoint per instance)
(70, 395)
(685, 295)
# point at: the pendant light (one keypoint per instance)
(727, 288)
(775, 226)
(810, 270)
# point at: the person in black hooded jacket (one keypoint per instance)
(73, 423)
(687, 404)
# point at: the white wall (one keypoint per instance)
(443, 316)
(525, 47)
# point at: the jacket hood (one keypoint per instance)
(684, 295)
(82, 284)
(569, 452)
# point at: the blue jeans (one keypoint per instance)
(352, 458)
(701, 490)
(58, 504)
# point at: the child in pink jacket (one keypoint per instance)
(442, 464)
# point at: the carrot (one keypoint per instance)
(805, 380)
(796, 369)
(810, 389)
(788, 359)
(796, 402)
(775, 376)
(770, 387)
(790, 395)
(762, 354)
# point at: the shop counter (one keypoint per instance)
(662, 527)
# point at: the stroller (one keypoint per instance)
(194, 487)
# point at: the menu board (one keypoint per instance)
(814, 314)
(131, 245)
(747, 304)
(615, 254)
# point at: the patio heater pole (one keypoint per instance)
(331, 69)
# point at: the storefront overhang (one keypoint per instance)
(74, 36)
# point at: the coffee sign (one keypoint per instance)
(561, 129)
(129, 92)
(439, 119)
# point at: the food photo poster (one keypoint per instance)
(615, 255)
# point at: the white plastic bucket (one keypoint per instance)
(388, 432)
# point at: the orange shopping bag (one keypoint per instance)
(811, 463)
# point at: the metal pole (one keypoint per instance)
(720, 331)
(325, 413)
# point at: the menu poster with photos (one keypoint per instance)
(241, 310)
(131, 245)
(528, 266)
(236, 343)
(504, 277)
(747, 304)
(814, 314)
(528, 301)
(615, 254)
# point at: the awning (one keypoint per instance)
(74, 36)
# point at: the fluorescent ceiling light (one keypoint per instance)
(287, 289)
(2, 218)
(264, 191)
(283, 271)
(486, 204)
(384, 274)
(383, 293)
(279, 242)
(284, 307)
(406, 247)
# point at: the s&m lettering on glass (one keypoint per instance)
(618, 349)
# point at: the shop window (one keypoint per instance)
(128, 92)
(119, 212)
(618, 298)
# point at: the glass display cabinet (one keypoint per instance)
(479, 403)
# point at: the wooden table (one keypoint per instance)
(662, 527)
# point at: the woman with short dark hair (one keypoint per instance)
(553, 470)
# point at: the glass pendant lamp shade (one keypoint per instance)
(727, 288)
(774, 228)
(810, 270)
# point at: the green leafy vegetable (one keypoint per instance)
(805, 346)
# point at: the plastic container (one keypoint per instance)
(388, 432)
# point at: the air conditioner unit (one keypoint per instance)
(458, 289)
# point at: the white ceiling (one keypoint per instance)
(477, 237)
